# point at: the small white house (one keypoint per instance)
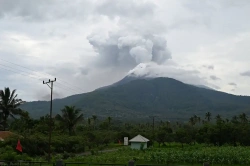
(139, 142)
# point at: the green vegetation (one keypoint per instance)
(75, 138)
(70, 118)
(9, 106)
(174, 155)
(139, 99)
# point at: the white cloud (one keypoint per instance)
(88, 45)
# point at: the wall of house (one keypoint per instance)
(137, 145)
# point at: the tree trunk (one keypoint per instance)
(70, 131)
(4, 121)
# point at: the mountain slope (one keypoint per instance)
(141, 98)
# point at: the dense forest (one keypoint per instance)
(72, 133)
(140, 98)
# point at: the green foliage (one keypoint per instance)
(221, 141)
(37, 144)
(188, 155)
(167, 97)
(9, 106)
(8, 154)
(69, 119)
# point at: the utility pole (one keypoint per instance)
(153, 126)
(50, 115)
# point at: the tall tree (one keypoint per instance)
(9, 106)
(199, 119)
(234, 119)
(243, 118)
(70, 118)
(109, 120)
(89, 122)
(94, 117)
(192, 121)
(218, 119)
(208, 116)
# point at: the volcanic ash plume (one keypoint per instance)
(129, 51)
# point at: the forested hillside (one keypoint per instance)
(142, 98)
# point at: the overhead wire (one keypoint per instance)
(3, 67)
(59, 86)
(43, 74)
(33, 76)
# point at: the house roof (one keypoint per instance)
(5, 134)
(139, 138)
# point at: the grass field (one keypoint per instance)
(173, 154)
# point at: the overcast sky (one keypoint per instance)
(88, 44)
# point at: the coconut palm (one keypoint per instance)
(234, 119)
(243, 118)
(208, 116)
(218, 119)
(199, 119)
(9, 106)
(109, 120)
(192, 121)
(89, 121)
(70, 118)
(94, 117)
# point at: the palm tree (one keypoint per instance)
(234, 119)
(70, 118)
(89, 121)
(243, 118)
(192, 121)
(109, 120)
(94, 117)
(199, 119)
(218, 119)
(9, 106)
(195, 118)
(208, 116)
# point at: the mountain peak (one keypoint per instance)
(141, 71)
(140, 98)
(148, 71)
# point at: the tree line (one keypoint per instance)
(73, 133)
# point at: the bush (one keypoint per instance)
(8, 154)
(37, 144)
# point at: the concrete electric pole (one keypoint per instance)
(50, 123)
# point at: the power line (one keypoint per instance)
(35, 77)
(66, 86)
(41, 73)
(15, 64)
(17, 72)
(14, 68)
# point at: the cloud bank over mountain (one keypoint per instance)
(93, 43)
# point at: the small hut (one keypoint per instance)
(139, 142)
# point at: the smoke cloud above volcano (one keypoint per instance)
(128, 51)
(140, 56)
(90, 44)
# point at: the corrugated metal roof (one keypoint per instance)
(139, 138)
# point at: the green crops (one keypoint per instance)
(188, 155)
